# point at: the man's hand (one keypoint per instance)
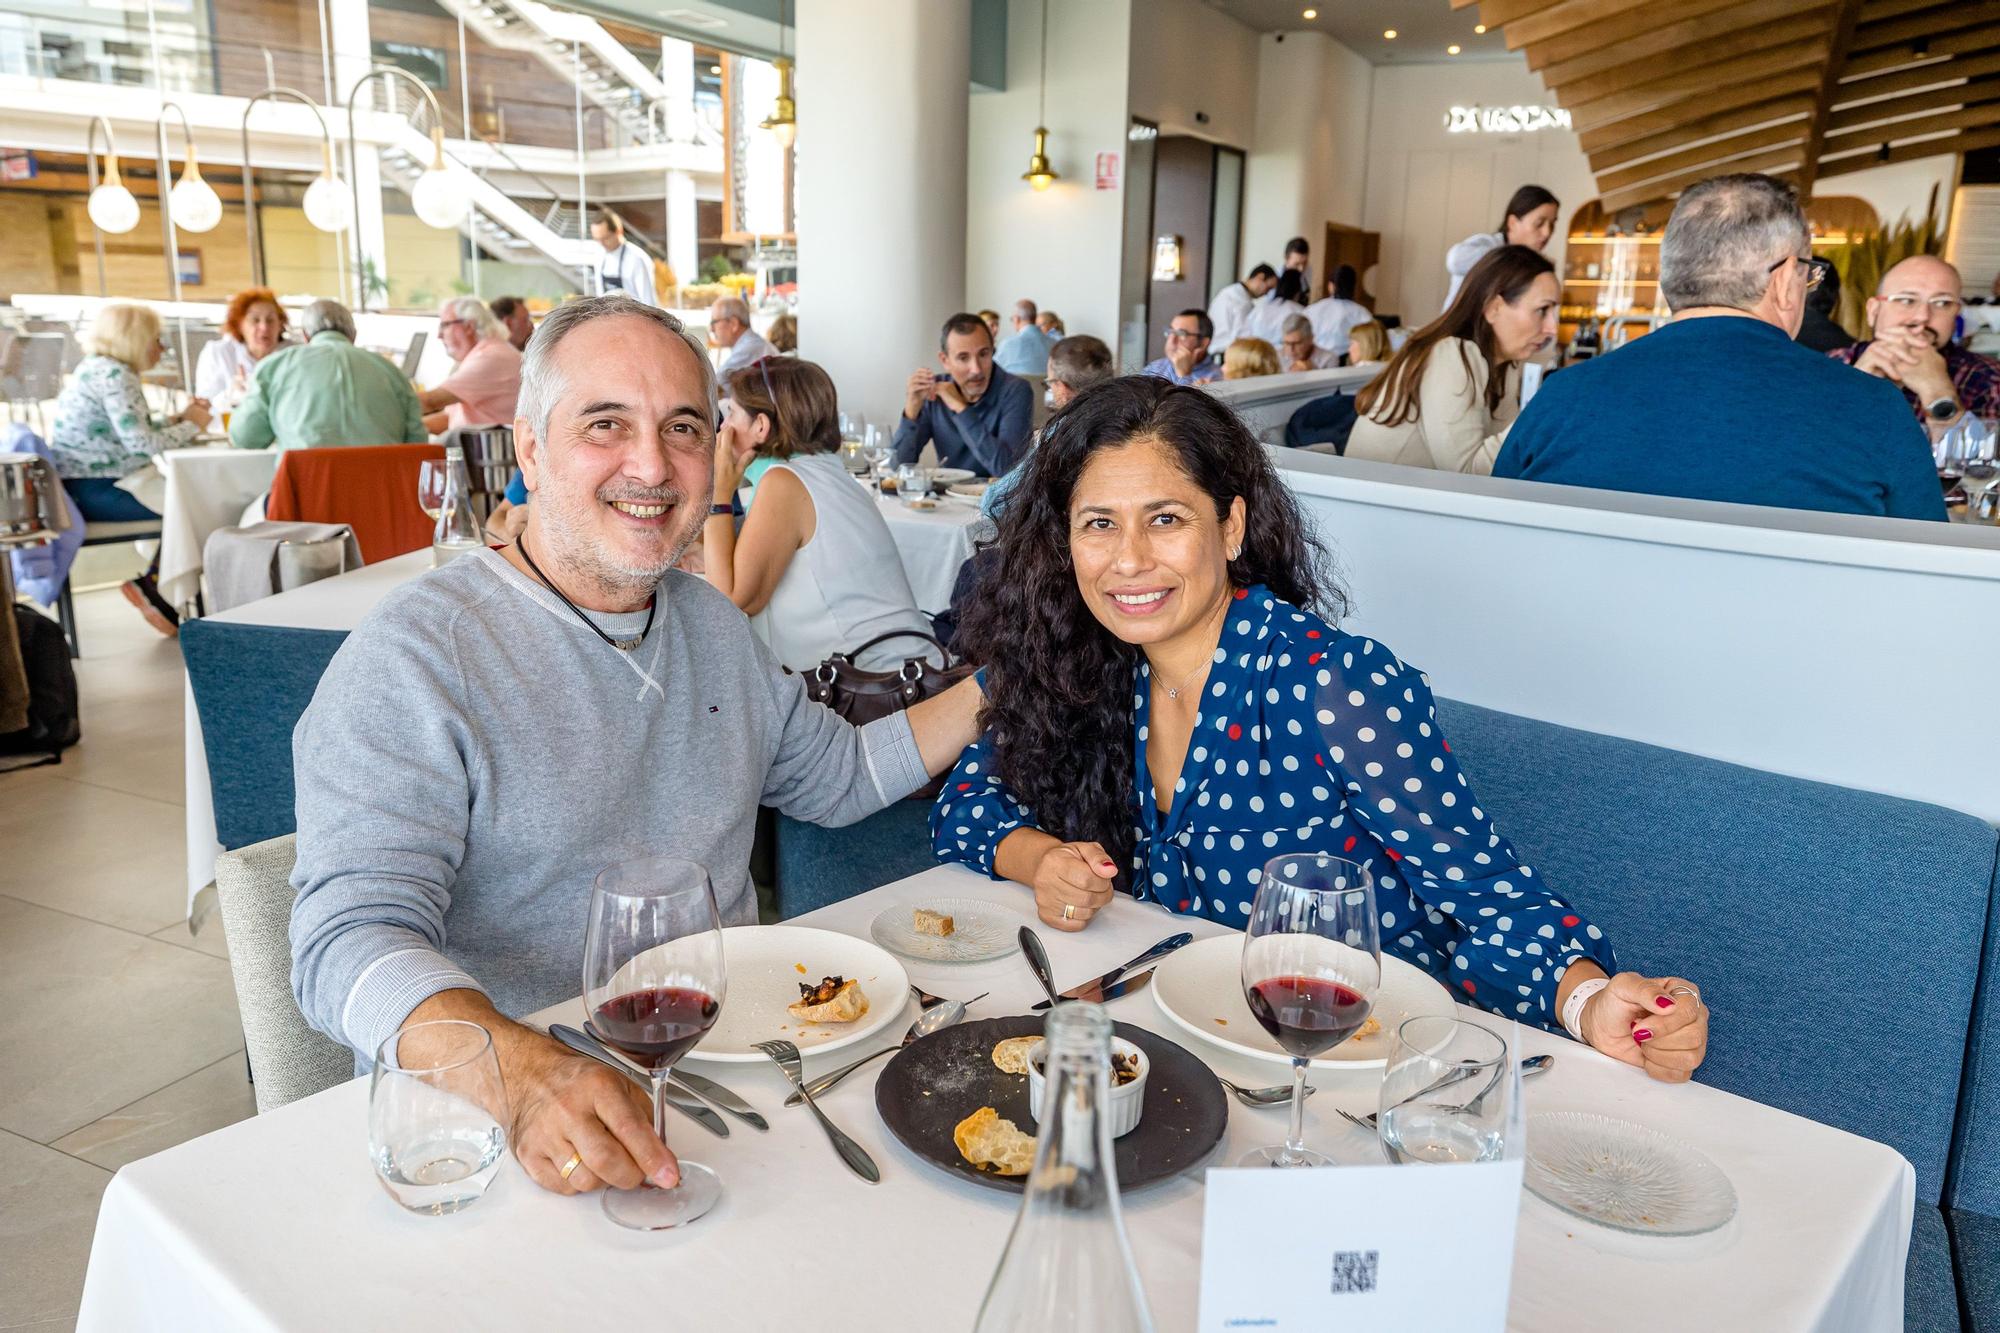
(951, 396)
(564, 1104)
(921, 389)
(1886, 357)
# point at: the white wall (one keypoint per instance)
(1189, 58)
(1309, 162)
(1428, 190)
(1899, 188)
(1058, 248)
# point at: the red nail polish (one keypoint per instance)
(1641, 1035)
(1663, 1002)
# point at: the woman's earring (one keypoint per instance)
(1235, 551)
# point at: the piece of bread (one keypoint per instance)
(932, 923)
(832, 1001)
(1011, 1055)
(993, 1144)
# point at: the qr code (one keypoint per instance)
(1353, 1272)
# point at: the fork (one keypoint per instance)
(1531, 1066)
(785, 1055)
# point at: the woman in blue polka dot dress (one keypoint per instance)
(1164, 715)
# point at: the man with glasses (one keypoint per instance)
(1187, 360)
(486, 369)
(1914, 318)
(1720, 403)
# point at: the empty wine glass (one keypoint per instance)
(653, 985)
(430, 487)
(435, 1109)
(1312, 963)
(1448, 1094)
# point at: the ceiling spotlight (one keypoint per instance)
(1479, 29)
(1389, 33)
(715, 69)
(1311, 14)
(1451, 50)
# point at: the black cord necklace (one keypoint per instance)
(622, 645)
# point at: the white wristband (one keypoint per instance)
(1572, 1014)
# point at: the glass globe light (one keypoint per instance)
(193, 202)
(440, 198)
(326, 203)
(113, 208)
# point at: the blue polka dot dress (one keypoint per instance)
(1312, 740)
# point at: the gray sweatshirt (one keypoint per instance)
(475, 755)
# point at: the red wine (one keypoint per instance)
(1307, 1015)
(656, 1027)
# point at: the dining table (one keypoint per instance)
(933, 543)
(207, 487)
(279, 1222)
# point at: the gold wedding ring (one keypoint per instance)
(1069, 911)
(575, 1160)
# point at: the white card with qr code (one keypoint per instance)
(1364, 1249)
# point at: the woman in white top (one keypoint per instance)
(815, 566)
(252, 329)
(1530, 220)
(1447, 398)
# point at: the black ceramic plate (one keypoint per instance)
(932, 1084)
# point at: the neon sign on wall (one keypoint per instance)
(1505, 119)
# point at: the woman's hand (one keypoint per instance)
(197, 412)
(1656, 1023)
(1073, 884)
(732, 458)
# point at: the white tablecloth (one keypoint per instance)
(335, 603)
(933, 545)
(207, 488)
(278, 1223)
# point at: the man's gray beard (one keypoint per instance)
(562, 529)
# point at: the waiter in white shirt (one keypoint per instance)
(623, 267)
(1229, 309)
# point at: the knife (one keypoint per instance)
(689, 1106)
(1135, 982)
(1097, 989)
(721, 1096)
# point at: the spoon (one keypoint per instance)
(1276, 1095)
(1038, 963)
(1534, 1064)
(934, 1019)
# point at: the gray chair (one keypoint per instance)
(288, 1059)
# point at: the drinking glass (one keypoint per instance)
(435, 1109)
(1312, 964)
(913, 482)
(653, 985)
(1449, 1093)
(430, 487)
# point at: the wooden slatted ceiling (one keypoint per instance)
(1664, 96)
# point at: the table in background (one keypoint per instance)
(933, 544)
(208, 487)
(337, 603)
(277, 1222)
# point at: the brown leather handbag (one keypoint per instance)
(860, 695)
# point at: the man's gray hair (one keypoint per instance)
(730, 307)
(1081, 362)
(475, 312)
(542, 384)
(1295, 324)
(1025, 310)
(324, 316)
(1725, 235)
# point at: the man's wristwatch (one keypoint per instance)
(1942, 409)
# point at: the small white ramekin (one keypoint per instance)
(1126, 1103)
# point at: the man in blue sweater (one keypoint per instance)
(1721, 404)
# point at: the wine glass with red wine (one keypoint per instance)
(653, 983)
(1312, 963)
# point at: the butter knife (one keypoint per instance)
(721, 1096)
(688, 1105)
(1098, 990)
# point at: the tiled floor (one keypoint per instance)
(118, 1029)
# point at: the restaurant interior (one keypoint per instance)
(1290, 594)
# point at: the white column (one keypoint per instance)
(683, 228)
(352, 58)
(883, 87)
(677, 72)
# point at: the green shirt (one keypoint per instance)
(326, 392)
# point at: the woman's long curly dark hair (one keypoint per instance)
(1058, 683)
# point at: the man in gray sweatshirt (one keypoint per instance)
(502, 729)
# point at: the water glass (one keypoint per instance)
(435, 1107)
(1450, 1093)
(913, 482)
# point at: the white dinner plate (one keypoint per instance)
(969, 490)
(981, 931)
(764, 966)
(950, 476)
(1200, 988)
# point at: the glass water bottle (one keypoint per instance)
(457, 529)
(1067, 1265)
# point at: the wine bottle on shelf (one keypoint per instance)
(457, 530)
(1067, 1267)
